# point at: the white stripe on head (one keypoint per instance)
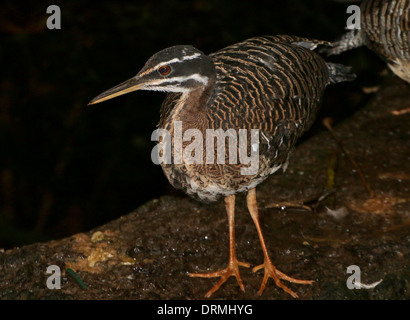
(156, 85)
(194, 56)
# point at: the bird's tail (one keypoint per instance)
(339, 73)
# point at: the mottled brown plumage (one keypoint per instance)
(272, 85)
(385, 29)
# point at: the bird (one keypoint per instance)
(267, 88)
(384, 29)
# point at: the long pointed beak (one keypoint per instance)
(130, 85)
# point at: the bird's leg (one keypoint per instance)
(270, 269)
(233, 265)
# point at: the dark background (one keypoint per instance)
(66, 167)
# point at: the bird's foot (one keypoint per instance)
(231, 270)
(276, 275)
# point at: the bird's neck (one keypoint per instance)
(192, 106)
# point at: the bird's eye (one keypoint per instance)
(164, 70)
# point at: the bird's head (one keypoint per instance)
(176, 69)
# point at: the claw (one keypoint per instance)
(276, 275)
(231, 270)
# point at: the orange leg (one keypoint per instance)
(270, 269)
(233, 265)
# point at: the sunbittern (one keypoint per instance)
(272, 85)
(385, 29)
